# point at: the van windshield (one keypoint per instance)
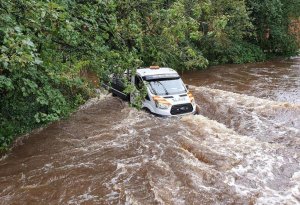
(166, 86)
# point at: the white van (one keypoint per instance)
(166, 94)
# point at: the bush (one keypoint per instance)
(232, 52)
(243, 52)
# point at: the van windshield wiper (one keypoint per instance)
(152, 88)
(166, 91)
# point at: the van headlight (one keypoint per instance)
(161, 103)
(193, 102)
(192, 99)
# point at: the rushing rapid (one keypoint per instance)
(243, 147)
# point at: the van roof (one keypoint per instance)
(159, 71)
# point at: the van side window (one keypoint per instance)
(147, 97)
(138, 82)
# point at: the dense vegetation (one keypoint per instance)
(45, 45)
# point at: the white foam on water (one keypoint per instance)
(149, 153)
(264, 119)
(76, 165)
(167, 187)
(112, 196)
(258, 161)
(295, 57)
(102, 95)
(47, 167)
(84, 198)
(4, 157)
(269, 196)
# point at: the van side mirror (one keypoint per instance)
(187, 87)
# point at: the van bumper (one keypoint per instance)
(176, 110)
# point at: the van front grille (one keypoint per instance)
(181, 109)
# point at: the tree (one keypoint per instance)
(271, 19)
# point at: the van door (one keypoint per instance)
(138, 83)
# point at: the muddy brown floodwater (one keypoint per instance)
(243, 148)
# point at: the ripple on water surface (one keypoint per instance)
(241, 149)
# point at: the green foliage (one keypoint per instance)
(45, 45)
(271, 19)
(229, 25)
(37, 84)
(233, 52)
